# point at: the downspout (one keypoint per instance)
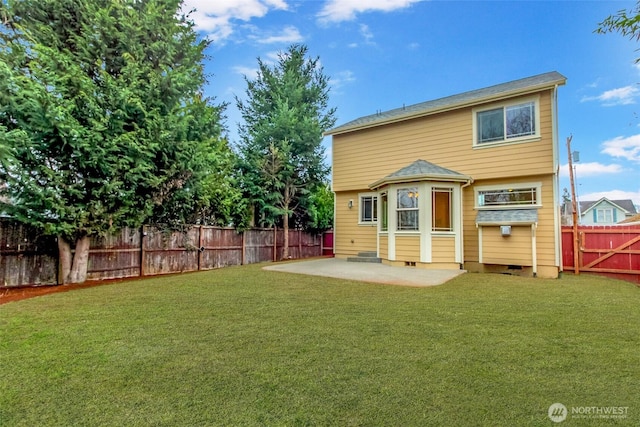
(556, 183)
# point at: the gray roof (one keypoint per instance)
(507, 217)
(501, 91)
(421, 170)
(626, 205)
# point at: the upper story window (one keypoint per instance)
(506, 123)
(407, 209)
(520, 196)
(368, 209)
(604, 215)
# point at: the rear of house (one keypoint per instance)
(467, 181)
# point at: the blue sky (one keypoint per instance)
(381, 54)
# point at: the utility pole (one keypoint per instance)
(574, 208)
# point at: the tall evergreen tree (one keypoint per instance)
(99, 102)
(285, 114)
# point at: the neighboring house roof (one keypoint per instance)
(633, 219)
(625, 205)
(492, 93)
(421, 170)
(507, 217)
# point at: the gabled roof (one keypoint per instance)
(474, 97)
(421, 170)
(625, 205)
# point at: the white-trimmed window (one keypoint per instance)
(407, 209)
(604, 215)
(368, 208)
(513, 196)
(506, 123)
(441, 209)
(384, 212)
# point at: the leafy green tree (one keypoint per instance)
(99, 102)
(321, 209)
(211, 195)
(285, 114)
(625, 22)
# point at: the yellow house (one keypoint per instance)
(468, 181)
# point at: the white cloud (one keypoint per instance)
(289, 34)
(621, 96)
(613, 195)
(624, 147)
(250, 73)
(366, 33)
(216, 18)
(346, 10)
(591, 169)
(342, 78)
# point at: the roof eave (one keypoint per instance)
(498, 223)
(483, 100)
(415, 178)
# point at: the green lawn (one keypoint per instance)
(243, 346)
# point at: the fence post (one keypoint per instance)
(275, 243)
(59, 278)
(142, 236)
(200, 248)
(244, 247)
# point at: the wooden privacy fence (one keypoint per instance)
(612, 251)
(26, 258)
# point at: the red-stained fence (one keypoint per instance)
(327, 243)
(612, 251)
(27, 258)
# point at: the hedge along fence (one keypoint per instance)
(28, 259)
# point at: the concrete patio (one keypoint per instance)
(367, 272)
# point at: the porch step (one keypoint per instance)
(367, 256)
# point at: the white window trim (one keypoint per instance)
(361, 206)
(451, 190)
(381, 213)
(418, 209)
(521, 139)
(506, 186)
(604, 215)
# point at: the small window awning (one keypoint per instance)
(507, 217)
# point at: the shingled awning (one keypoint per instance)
(507, 217)
(421, 170)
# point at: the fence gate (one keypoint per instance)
(612, 251)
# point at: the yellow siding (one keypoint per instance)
(384, 247)
(443, 249)
(408, 248)
(446, 139)
(515, 249)
(350, 237)
(545, 233)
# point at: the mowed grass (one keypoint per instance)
(243, 346)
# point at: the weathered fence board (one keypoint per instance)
(116, 256)
(612, 251)
(220, 247)
(27, 258)
(259, 245)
